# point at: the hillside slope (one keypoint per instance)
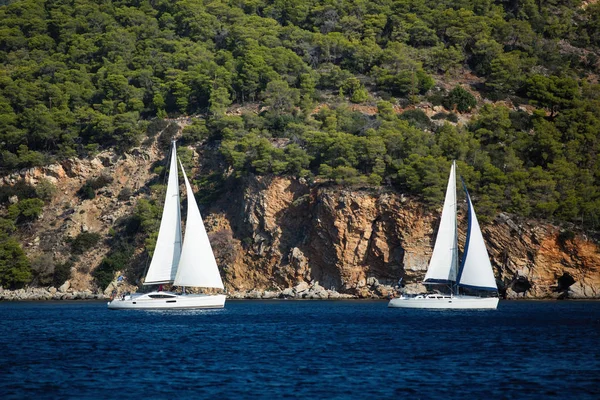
(276, 233)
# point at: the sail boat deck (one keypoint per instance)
(438, 301)
(167, 300)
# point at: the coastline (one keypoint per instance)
(53, 294)
(50, 294)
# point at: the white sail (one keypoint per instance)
(167, 252)
(443, 264)
(197, 266)
(476, 270)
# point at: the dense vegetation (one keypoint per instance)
(80, 75)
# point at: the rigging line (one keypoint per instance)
(166, 172)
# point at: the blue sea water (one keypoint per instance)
(300, 349)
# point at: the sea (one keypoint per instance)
(305, 349)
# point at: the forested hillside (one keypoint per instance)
(520, 77)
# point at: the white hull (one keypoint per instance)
(167, 300)
(433, 301)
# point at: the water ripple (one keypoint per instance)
(300, 349)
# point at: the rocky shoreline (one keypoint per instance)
(302, 291)
(48, 294)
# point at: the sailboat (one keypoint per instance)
(189, 263)
(473, 272)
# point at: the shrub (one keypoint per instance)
(116, 261)
(196, 132)
(14, 266)
(88, 190)
(45, 190)
(460, 99)
(100, 181)
(25, 210)
(42, 268)
(564, 237)
(452, 117)
(84, 241)
(447, 116)
(62, 273)
(157, 125)
(125, 194)
(164, 140)
(417, 118)
(20, 189)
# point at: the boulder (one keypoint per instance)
(372, 281)
(253, 294)
(301, 287)
(64, 287)
(268, 294)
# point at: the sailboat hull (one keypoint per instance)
(167, 300)
(444, 302)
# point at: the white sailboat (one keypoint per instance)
(189, 264)
(473, 272)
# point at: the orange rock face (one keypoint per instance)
(342, 238)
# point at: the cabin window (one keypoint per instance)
(160, 296)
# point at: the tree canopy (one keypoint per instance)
(84, 75)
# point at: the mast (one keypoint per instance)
(454, 286)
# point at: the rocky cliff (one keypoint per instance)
(276, 236)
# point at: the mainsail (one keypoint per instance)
(167, 252)
(443, 264)
(197, 266)
(475, 270)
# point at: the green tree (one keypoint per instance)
(219, 101)
(355, 89)
(45, 189)
(14, 266)
(506, 73)
(460, 99)
(543, 196)
(552, 92)
(26, 210)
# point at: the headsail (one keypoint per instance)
(443, 264)
(475, 270)
(167, 252)
(197, 266)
